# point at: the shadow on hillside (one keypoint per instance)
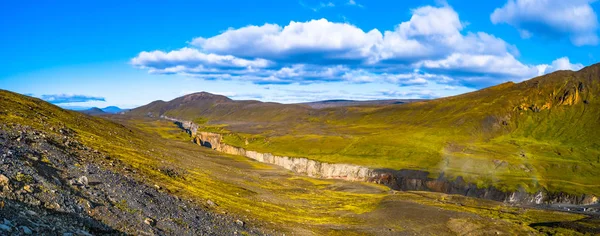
(51, 221)
(589, 225)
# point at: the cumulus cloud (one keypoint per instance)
(575, 19)
(189, 59)
(559, 64)
(69, 98)
(431, 46)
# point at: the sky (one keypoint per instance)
(79, 54)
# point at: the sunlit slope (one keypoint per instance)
(539, 133)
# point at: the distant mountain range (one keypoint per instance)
(101, 111)
(347, 103)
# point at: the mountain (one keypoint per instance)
(347, 103)
(94, 111)
(537, 134)
(113, 110)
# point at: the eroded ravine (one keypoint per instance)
(404, 180)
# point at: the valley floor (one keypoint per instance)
(270, 197)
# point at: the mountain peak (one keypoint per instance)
(203, 96)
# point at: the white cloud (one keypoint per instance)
(328, 4)
(430, 47)
(354, 3)
(189, 58)
(574, 19)
(559, 64)
(328, 39)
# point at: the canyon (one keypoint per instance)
(400, 180)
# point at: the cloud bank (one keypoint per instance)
(67, 98)
(430, 47)
(573, 19)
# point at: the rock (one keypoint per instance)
(239, 222)
(7, 222)
(30, 213)
(32, 157)
(4, 227)
(83, 233)
(211, 203)
(157, 187)
(28, 188)
(83, 180)
(150, 221)
(25, 230)
(3, 180)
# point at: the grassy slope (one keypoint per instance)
(538, 133)
(266, 195)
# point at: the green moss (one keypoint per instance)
(200, 120)
(20, 177)
(123, 206)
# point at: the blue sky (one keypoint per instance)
(126, 53)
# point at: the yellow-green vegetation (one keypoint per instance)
(263, 195)
(23, 178)
(164, 129)
(540, 133)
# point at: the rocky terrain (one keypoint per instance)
(53, 185)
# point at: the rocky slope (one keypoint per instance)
(52, 183)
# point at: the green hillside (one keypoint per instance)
(159, 154)
(541, 133)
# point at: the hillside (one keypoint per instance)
(537, 134)
(65, 172)
(62, 172)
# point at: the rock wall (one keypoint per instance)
(299, 165)
(403, 180)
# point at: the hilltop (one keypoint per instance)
(537, 134)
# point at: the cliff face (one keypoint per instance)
(404, 180)
(299, 165)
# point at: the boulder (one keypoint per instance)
(83, 180)
(3, 180)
